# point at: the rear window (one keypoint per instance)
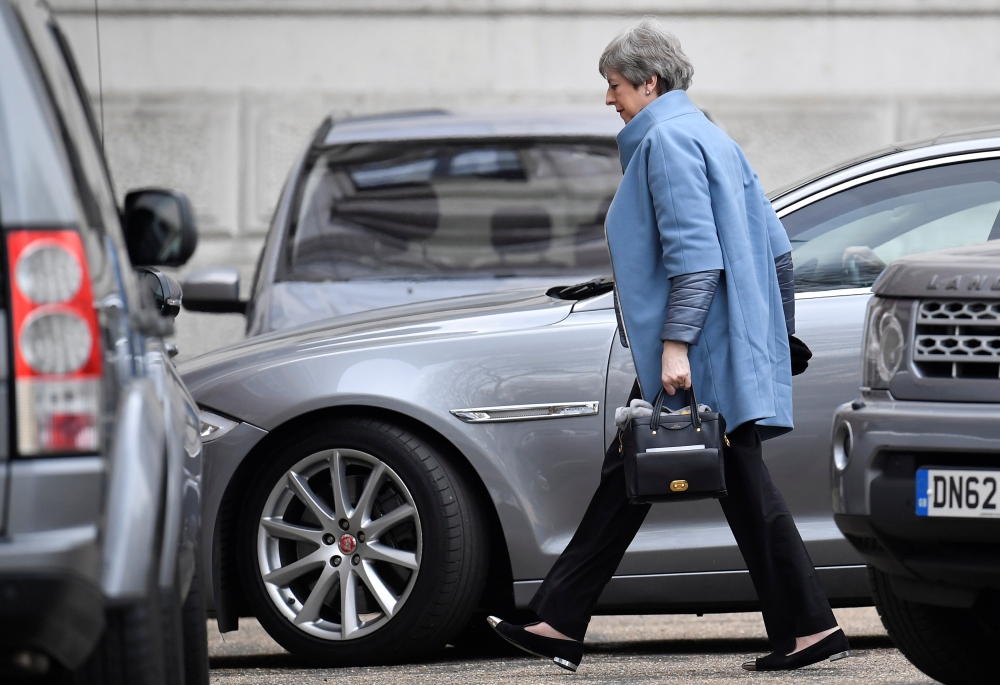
(34, 185)
(446, 209)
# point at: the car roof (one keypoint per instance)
(587, 121)
(944, 145)
(495, 122)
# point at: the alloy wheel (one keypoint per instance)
(339, 544)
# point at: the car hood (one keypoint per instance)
(420, 322)
(300, 303)
(969, 272)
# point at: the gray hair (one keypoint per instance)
(645, 49)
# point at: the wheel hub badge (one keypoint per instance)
(348, 544)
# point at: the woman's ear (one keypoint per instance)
(650, 85)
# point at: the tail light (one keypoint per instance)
(57, 348)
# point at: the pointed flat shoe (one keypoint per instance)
(833, 647)
(565, 653)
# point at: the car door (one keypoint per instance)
(842, 240)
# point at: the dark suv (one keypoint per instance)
(100, 454)
(916, 458)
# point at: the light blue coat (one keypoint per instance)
(690, 202)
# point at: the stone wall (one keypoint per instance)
(215, 97)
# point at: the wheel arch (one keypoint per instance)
(230, 601)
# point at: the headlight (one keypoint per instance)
(214, 426)
(884, 342)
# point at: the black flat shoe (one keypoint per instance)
(833, 647)
(566, 653)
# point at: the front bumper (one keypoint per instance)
(220, 509)
(878, 445)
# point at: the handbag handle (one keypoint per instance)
(654, 421)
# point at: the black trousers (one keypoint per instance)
(791, 598)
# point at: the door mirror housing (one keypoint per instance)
(159, 227)
(164, 291)
(215, 290)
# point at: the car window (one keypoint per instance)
(34, 178)
(81, 92)
(100, 229)
(846, 240)
(444, 209)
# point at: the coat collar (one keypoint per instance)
(667, 106)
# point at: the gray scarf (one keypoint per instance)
(638, 409)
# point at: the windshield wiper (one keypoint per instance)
(582, 291)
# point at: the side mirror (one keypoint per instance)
(215, 290)
(165, 291)
(159, 227)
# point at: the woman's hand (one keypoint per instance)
(676, 373)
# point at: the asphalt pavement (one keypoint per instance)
(619, 649)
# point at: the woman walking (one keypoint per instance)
(703, 274)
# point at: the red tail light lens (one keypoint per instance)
(57, 351)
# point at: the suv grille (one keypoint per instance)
(958, 339)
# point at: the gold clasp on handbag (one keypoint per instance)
(678, 485)
(726, 438)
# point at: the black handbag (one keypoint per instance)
(674, 457)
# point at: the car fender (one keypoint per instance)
(228, 455)
(425, 380)
(135, 492)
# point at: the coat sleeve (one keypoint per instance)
(678, 183)
(690, 298)
(786, 284)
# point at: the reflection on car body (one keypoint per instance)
(404, 372)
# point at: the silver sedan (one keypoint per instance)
(378, 481)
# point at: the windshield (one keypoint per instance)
(417, 210)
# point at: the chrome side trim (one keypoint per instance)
(892, 171)
(527, 412)
(839, 292)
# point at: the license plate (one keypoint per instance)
(959, 493)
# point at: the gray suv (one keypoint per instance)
(916, 458)
(100, 453)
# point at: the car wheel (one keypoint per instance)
(954, 646)
(173, 635)
(195, 632)
(360, 544)
(130, 652)
(136, 646)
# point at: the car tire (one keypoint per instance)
(953, 646)
(195, 632)
(406, 589)
(130, 651)
(173, 636)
